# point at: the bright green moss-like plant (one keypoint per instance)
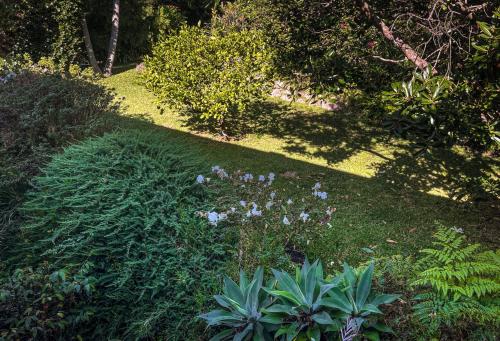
(213, 77)
(122, 209)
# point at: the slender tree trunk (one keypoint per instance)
(113, 39)
(407, 50)
(90, 49)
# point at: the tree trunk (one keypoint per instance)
(113, 39)
(90, 49)
(407, 50)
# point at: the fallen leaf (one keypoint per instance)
(391, 241)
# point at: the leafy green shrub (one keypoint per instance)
(462, 284)
(37, 304)
(214, 76)
(122, 208)
(306, 306)
(41, 111)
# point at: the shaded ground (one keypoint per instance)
(381, 191)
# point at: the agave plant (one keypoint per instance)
(241, 317)
(298, 307)
(356, 305)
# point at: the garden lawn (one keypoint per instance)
(386, 199)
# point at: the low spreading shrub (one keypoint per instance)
(122, 209)
(212, 76)
(42, 110)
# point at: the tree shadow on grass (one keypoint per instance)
(369, 210)
(336, 136)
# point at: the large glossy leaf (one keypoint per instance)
(364, 286)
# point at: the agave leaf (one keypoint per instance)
(243, 281)
(222, 335)
(242, 335)
(279, 308)
(323, 290)
(338, 300)
(252, 299)
(350, 276)
(314, 334)
(286, 295)
(222, 301)
(310, 284)
(214, 317)
(382, 327)
(232, 291)
(272, 319)
(285, 282)
(322, 318)
(370, 308)
(364, 286)
(384, 299)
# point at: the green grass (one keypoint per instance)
(381, 191)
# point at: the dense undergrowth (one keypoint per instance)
(121, 210)
(42, 110)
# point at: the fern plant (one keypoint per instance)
(462, 283)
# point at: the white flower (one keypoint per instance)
(289, 201)
(271, 176)
(457, 229)
(249, 214)
(286, 221)
(262, 178)
(316, 186)
(213, 218)
(247, 177)
(233, 209)
(272, 195)
(304, 216)
(215, 169)
(243, 203)
(269, 204)
(321, 195)
(256, 212)
(200, 179)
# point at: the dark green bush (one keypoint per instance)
(213, 76)
(37, 304)
(123, 209)
(40, 112)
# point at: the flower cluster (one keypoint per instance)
(265, 203)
